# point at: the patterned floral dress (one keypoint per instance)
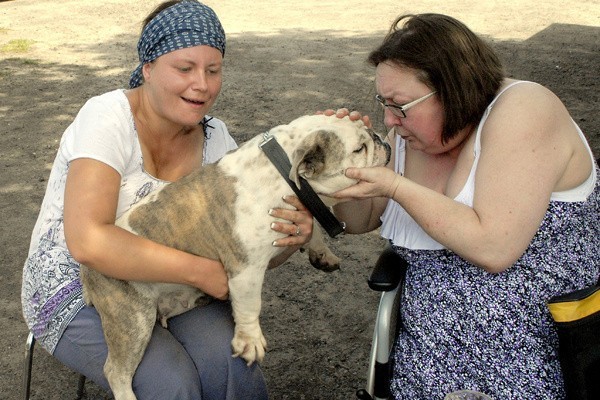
(465, 328)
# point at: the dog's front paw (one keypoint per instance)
(250, 347)
(324, 259)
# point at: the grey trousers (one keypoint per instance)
(191, 360)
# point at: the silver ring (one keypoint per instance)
(298, 232)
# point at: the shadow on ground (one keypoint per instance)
(318, 326)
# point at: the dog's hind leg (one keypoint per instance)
(127, 325)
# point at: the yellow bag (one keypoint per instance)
(577, 319)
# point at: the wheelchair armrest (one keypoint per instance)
(388, 272)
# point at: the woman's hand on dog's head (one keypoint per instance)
(353, 115)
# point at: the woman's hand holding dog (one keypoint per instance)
(211, 278)
(372, 182)
(298, 225)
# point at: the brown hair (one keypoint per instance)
(157, 10)
(451, 59)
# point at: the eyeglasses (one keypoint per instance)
(400, 111)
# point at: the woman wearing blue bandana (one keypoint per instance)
(122, 146)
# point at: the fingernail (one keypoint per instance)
(271, 211)
(274, 244)
(272, 225)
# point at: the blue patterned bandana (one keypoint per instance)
(182, 25)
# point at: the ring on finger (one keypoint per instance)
(298, 231)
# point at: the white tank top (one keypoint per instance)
(402, 229)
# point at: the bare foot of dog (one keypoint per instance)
(250, 347)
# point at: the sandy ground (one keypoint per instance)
(284, 59)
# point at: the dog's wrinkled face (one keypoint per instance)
(332, 145)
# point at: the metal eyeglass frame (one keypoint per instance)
(400, 111)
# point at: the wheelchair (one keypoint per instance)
(388, 278)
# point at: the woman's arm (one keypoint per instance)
(527, 144)
(93, 239)
(361, 216)
(91, 196)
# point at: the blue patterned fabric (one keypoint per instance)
(182, 25)
(465, 328)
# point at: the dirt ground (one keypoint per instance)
(284, 59)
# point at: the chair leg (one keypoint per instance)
(81, 387)
(28, 365)
(30, 344)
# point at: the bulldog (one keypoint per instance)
(220, 212)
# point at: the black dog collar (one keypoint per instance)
(305, 193)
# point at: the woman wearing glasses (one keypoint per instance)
(493, 199)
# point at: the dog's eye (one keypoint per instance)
(362, 148)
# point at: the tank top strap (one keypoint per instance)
(465, 196)
(486, 114)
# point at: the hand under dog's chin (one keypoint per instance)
(328, 200)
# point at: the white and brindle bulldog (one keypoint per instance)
(220, 212)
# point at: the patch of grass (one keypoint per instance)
(17, 46)
(29, 61)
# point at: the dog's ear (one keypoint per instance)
(308, 160)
